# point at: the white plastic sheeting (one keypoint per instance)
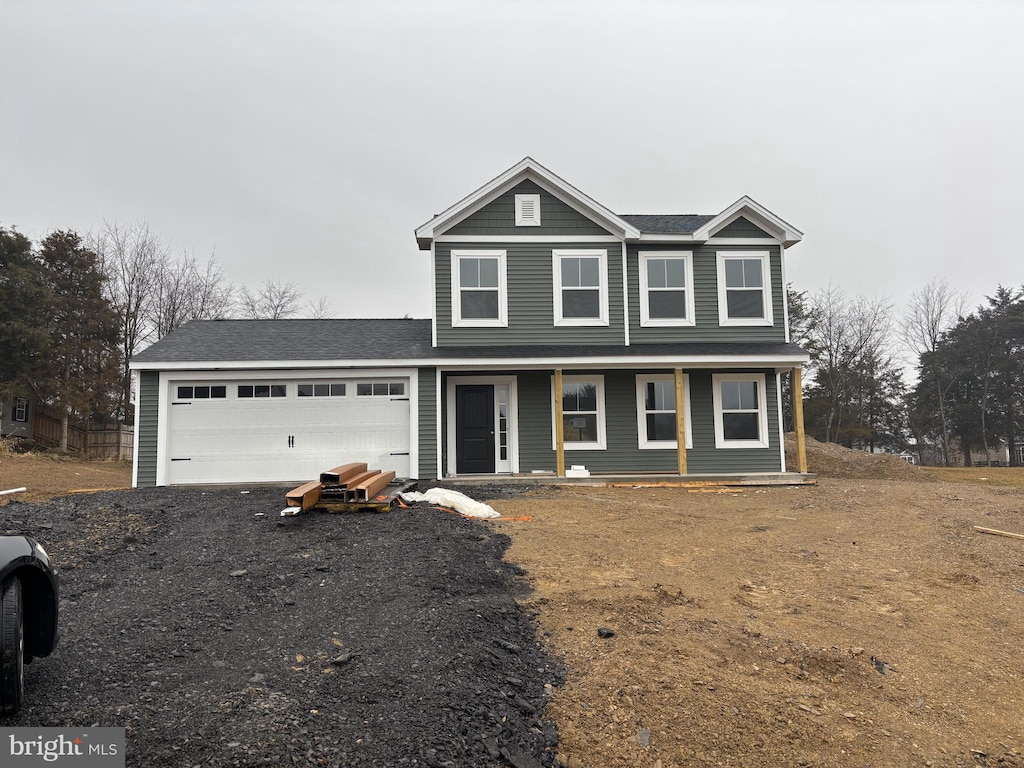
(459, 502)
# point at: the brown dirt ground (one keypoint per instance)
(859, 622)
(853, 623)
(50, 474)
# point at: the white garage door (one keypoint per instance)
(260, 431)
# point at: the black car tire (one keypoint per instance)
(12, 647)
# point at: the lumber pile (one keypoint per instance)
(350, 486)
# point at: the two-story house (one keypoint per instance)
(562, 335)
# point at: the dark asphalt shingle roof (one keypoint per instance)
(668, 223)
(205, 341)
(237, 340)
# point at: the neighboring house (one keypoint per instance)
(998, 455)
(562, 334)
(16, 417)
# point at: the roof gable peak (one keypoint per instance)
(752, 210)
(527, 168)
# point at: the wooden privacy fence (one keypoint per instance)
(97, 441)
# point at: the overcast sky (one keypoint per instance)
(304, 141)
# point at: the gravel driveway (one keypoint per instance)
(219, 633)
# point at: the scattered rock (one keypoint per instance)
(605, 632)
(643, 738)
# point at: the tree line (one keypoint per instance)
(74, 309)
(966, 397)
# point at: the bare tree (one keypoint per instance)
(271, 301)
(850, 336)
(187, 290)
(131, 258)
(319, 309)
(931, 312)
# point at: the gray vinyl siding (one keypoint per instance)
(530, 298)
(427, 418)
(146, 424)
(705, 287)
(498, 217)
(741, 227)
(623, 454)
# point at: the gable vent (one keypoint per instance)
(527, 210)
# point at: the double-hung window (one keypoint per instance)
(20, 411)
(479, 293)
(744, 288)
(666, 288)
(583, 420)
(656, 411)
(741, 410)
(580, 287)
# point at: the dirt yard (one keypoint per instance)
(860, 622)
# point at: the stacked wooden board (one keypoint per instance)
(349, 487)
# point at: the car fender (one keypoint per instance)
(22, 556)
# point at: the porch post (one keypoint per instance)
(559, 427)
(680, 423)
(798, 420)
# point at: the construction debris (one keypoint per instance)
(996, 532)
(459, 502)
(13, 490)
(348, 488)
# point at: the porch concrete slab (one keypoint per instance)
(653, 480)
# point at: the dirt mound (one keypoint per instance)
(831, 460)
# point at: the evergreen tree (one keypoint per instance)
(23, 301)
(81, 371)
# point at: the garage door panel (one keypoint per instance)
(234, 439)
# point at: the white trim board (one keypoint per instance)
(513, 418)
(340, 367)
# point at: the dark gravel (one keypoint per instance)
(219, 633)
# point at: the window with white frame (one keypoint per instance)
(20, 410)
(666, 288)
(527, 210)
(479, 294)
(744, 288)
(581, 287)
(741, 410)
(656, 411)
(583, 419)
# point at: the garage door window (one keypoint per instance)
(262, 390)
(204, 392)
(321, 390)
(380, 389)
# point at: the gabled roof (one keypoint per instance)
(527, 168)
(688, 227)
(757, 214)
